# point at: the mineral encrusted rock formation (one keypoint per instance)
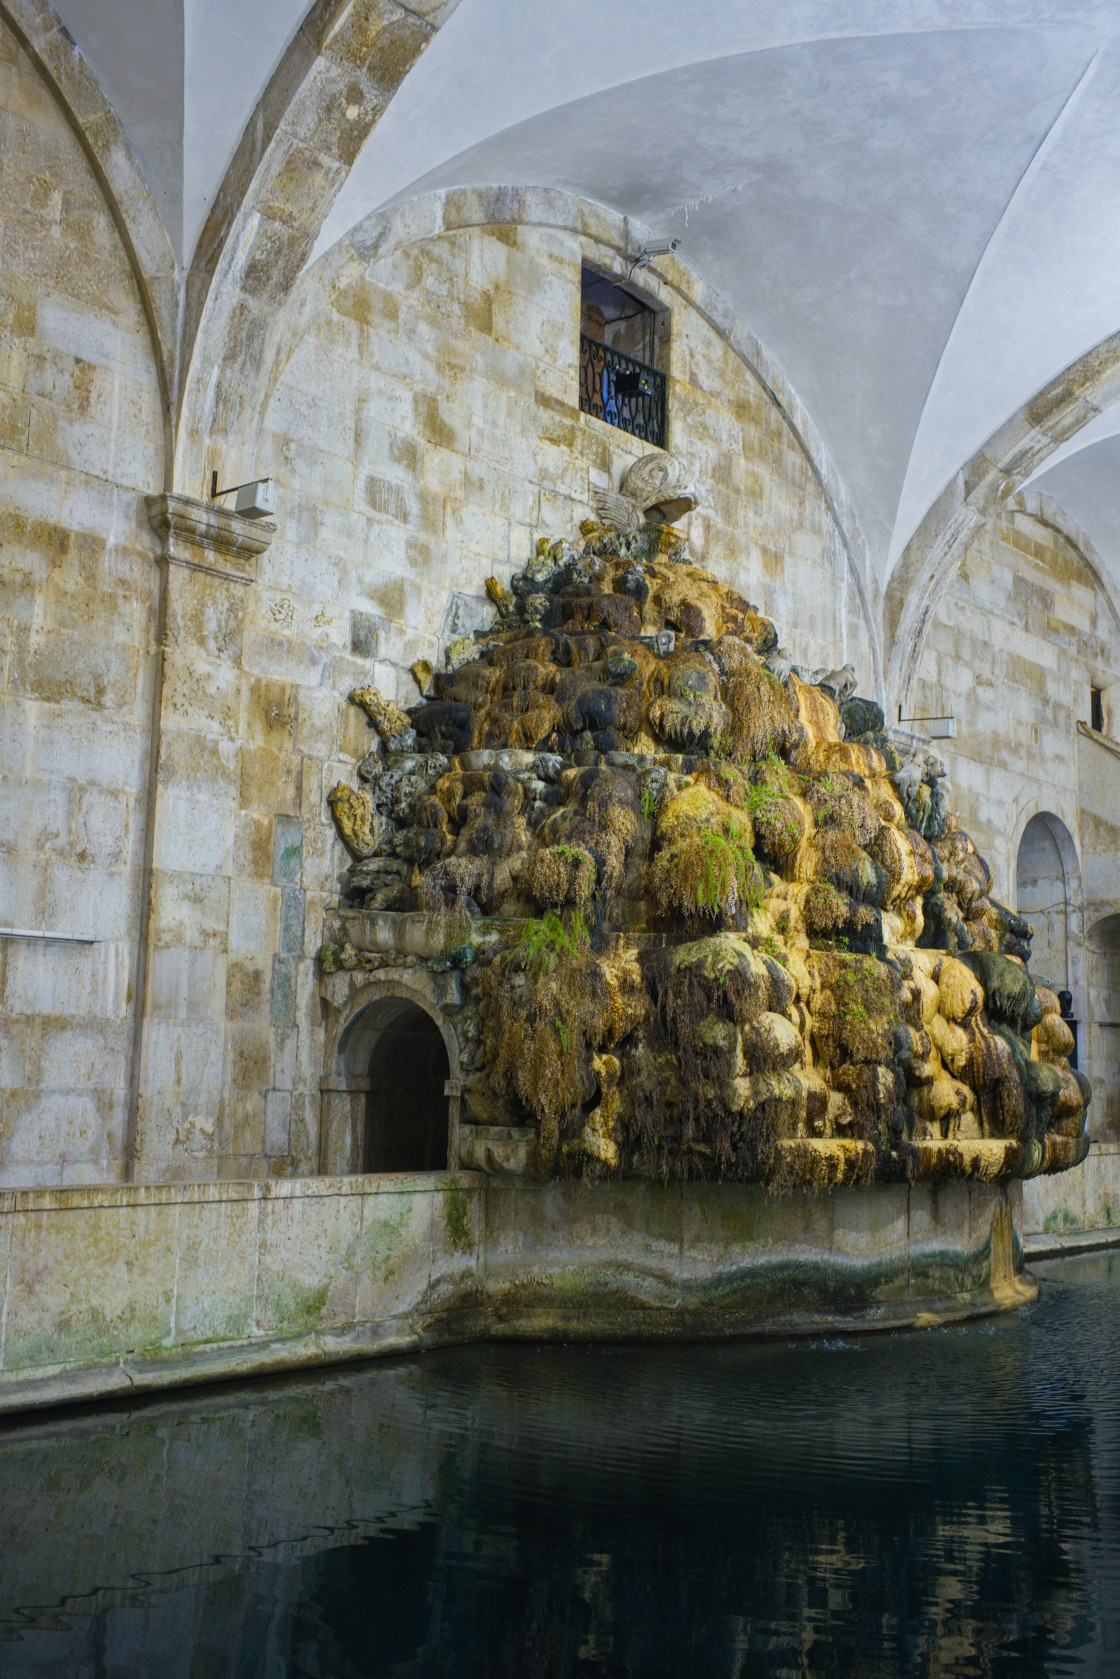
(709, 923)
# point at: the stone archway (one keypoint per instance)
(607, 237)
(1042, 896)
(1103, 1023)
(390, 1100)
(984, 486)
(331, 88)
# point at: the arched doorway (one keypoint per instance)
(406, 1125)
(390, 1092)
(1042, 896)
(1103, 965)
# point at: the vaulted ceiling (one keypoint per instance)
(184, 77)
(914, 204)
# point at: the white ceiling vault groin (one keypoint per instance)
(914, 204)
(184, 77)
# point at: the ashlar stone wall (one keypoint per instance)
(81, 440)
(1021, 633)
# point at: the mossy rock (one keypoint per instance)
(861, 717)
(724, 971)
(1009, 990)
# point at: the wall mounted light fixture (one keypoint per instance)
(255, 500)
(938, 728)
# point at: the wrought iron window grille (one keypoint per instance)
(621, 390)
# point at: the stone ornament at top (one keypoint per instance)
(655, 490)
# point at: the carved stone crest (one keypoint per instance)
(655, 490)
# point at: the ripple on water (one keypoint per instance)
(942, 1503)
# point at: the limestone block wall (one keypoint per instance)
(426, 430)
(1098, 779)
(81, 440)
(1067, 1203)
(1020, 634)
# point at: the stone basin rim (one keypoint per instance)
(104, 1384)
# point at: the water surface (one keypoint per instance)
(937, 1503)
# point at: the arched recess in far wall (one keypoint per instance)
(985, 487)
(328, 93)
(1059, 832)
(52, 50)
(461, 208)
(1047, 891)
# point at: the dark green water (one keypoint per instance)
(940, 1503)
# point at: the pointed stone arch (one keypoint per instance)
(331, 88)
(987, 485)
(1045, 512)
(456, 208)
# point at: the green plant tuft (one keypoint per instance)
(711, 871)
(550, 937)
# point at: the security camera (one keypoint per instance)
(659, 248)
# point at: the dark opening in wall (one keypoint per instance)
(406, 1109)
(624, 345)
(1096, 709)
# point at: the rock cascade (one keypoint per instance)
(709, 922)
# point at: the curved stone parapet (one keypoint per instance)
(122, 1289)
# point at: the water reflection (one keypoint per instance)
(938, 1504)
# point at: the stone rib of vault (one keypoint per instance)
(709, 924)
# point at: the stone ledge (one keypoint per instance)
(40, 1388)
(193, 531)
(125, 1289)
(115, 1378)
(1095, 735)
(91, 1197)
(1052, 1246)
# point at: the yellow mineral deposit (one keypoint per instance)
(709, 922)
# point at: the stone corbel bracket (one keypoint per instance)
(209, 538)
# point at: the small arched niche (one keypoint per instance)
(1103, 965)
(1042, 895)
(389, 1108)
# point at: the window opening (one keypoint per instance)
(406, 1109)
(623, 345)
(1096, 709)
